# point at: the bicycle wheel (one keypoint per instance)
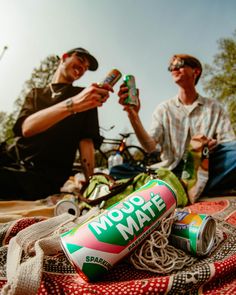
(135, 155)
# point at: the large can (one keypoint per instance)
(112, 77)
(97, 245)
(193, 233)
(132, 98)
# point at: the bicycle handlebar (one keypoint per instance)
(116, 140)
(126, 135)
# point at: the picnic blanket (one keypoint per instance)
(215, 274)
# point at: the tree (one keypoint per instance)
(40, 77)
(219, 79)
(6, 123)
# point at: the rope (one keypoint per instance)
(156, 255)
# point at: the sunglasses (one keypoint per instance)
(178, 64)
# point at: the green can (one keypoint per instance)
(193, 233)
(132, 98)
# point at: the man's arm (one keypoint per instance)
(87, 159)
(91, 97)
(147, 142)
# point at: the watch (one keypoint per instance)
(70, 105)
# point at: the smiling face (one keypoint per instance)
(184, 71)
(72, 67)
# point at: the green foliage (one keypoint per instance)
(6, 123)
(219, 79)
(40, 77)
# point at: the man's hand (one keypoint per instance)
(93, 96)
(200, 139)
(123, 94)
(212, 143)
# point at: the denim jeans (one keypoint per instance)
(222, 168)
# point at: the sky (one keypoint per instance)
(137, 37)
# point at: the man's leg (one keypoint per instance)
(222, 168)
(87, 157)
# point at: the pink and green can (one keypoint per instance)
(97, 245)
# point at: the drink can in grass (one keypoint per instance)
(193, 233)
(97, 245)
(112, 77)
(132, 98)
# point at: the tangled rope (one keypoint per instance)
(156, 255)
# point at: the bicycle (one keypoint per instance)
(132, 154)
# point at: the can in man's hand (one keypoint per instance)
(132, 98)
(112, 77)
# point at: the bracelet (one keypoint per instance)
(70, 106)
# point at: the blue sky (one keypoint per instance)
(136, 36)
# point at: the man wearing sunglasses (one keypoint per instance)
(188, 114)
(53, 123)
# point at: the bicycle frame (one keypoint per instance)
(132, 154)
(120, 142)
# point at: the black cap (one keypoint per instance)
(93, 64)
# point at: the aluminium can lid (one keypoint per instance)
(66, 206)
(206, 236)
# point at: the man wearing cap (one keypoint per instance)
(176, 121)
(53, 123)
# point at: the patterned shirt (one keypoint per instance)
(173, 125)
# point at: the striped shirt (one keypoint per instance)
(173, 124)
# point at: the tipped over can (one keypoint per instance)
(69, 204)
(97, 245)
(193, 233)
